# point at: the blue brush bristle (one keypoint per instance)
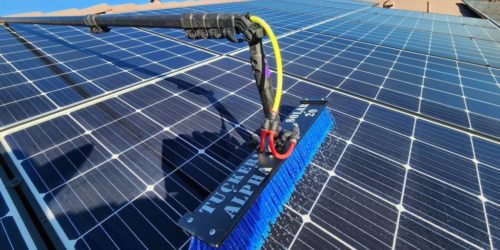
(254, 227)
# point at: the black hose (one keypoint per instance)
(178, 21)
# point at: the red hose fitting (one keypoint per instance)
(263, 134)
(276, 154)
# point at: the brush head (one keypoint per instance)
(217, 216)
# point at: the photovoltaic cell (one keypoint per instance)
(494, 218)
(415, 234)
(490, 182)
(369, 170)
(313, 238)
(457, 211)
(367, 217)
(285, 234)
(13, 232)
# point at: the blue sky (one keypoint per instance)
(20, 6)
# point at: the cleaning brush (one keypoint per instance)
(240, 212)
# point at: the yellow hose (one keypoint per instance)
(277, 55)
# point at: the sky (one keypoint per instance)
(20, 6)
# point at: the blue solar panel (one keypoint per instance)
(139, 174)
(13, 232)
(445, 44)
(433, 166)
(47, 68)
(459, 93)
(389, 18)
(412, 162)
(494, 218)
(435, 17)
(282, 16)
(67, 65)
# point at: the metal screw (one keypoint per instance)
(212, 231)
(190, 219)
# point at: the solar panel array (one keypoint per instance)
(451, 91)
(282, 15)
(484, 52)
(413, 161)
(48, 68)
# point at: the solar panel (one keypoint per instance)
(412, 162)
(68, 65)
(282, 16)
(442, 44)
(126, 160)
(13, 231)
(409, 165)
(455, 92)
(434, 17)
(387, 18)
(47, 68)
